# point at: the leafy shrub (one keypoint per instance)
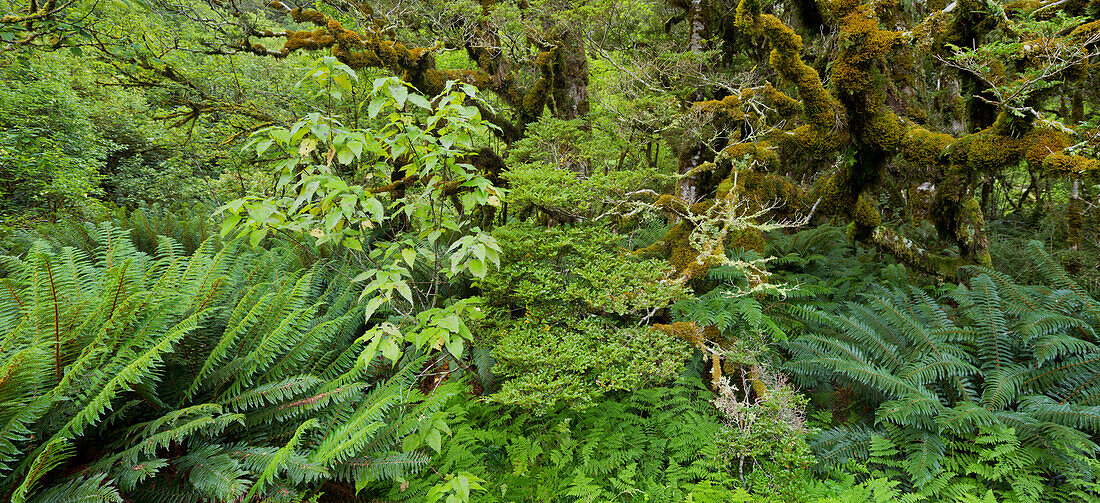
(50, 152)
(568, 323)
(765, 437)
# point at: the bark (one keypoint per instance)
(570, 81)
(693, 155)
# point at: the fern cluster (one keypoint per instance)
(655, 445)
(1017, 366)
(223, 375)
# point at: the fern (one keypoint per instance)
(223, 374)
(1005, 357)
(655, 444)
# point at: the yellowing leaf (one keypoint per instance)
(308, 145)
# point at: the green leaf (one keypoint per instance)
(419, 101)
(257, 236)
(434, 440)
(263, 145)
(403, 289)
(455, 346)
(399, 93)
(321, 131)
(477, 268)
(344, 156)
(409, 255)
(464, 487)
(229, 224)
(353, 243)
(372, 306)
(376, 105)
(390, 350)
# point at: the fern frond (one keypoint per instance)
(1066, 414)
(94, 489)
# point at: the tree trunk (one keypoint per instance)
(688, 187)
(571, 77)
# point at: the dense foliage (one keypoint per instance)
(550, 251)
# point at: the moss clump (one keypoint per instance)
(300, 15)
(853, 70)
(747, 239)
(1085, 32)
(865, 213)
(819, 107)
(476, 78)
(671, 203)
(984, 152)
(835, 195)
(923, 147)
(1070, 165)
(885, 131)
(684, 258)
(723, 111)
(815, 141)
(309, 40)
(702, 206)
(757, 153)
(1042, 143)
(687, 331)
(838, 9)
(786, 106)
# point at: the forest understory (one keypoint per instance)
(549, 251)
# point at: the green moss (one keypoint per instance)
(757, 152)
(985, 152)
(819, 107)
(747, 239)
(865, 213)
(690, 332)
(723, 111)
(1043, 142)
(1063, 165)
(535, 98)
(300, 15)
(923, 147)
(853, 71)
(786, 106)
(885, 131)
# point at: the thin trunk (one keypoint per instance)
(688, 187)
(1074, 218)
(571, 77)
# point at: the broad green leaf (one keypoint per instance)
(455, 346)
(434, 440)
(477, 268)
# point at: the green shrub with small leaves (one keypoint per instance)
(569, 317)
